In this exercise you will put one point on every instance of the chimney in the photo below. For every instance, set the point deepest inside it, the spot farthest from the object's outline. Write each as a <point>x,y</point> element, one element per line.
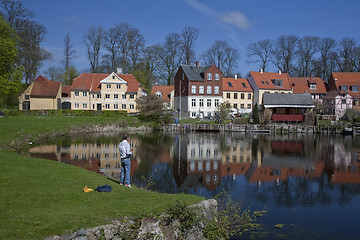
<point>119,70</point>
<point>261,70</point>
<point>235,76</point>
<point>197,63</point>
<point>279,71</point>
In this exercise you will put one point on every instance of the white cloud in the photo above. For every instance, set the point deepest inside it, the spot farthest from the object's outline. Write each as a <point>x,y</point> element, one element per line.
<point>236,18</point>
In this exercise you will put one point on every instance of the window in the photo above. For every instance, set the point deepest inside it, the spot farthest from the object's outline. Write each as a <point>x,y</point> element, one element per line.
<point>193,114</point>
<point>235,105</point>
<point>216,102</point>
<point>116,96</point>
<point>193,89</point>
<point>242,106</point>
<point>116,106</point>
<point>98,95</point>
<point>230,84</point>
<point>208,103</point>
<point>249,106</point>
<point>343,101</point>
<point>107,95</point>
<point>312,85</point>
<point>242,96</point>
<point>249,95</point>
<point>208,89</point>
<point>113,77</point>
<point>216,90</point>
<point>93,106</point>
<point>355,88</point>
<point>84,105</point>
<point>76,94</point>
<point>132,106</point>
<point>124,96</point>
<point>201,102</point>
<point>118,86</point>
<point>27,97</point>
<point>244,85</point>
<point>108,85</point>
<point>235,95</point>
<point>132,96</point>
<point>77,105</point>
<point>345,88</point>
<point>107,106</point>
<point>276,82</point>
<point>193,102</point>
<point>217,76</point>
<point>209,76</point>
<point>123,106</point>
<point>93,95</point>
<point>201,89</point>
<point>228,105</point>
<point>228,95</point>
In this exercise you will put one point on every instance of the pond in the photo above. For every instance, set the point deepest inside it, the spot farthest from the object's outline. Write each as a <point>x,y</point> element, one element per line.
<point>309,183</point>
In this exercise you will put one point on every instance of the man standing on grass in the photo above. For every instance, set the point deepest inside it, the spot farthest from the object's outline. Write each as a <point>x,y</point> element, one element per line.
<point>125,154</point>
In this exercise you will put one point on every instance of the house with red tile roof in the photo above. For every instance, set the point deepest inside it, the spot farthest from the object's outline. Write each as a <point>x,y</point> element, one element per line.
<point>237,94</point>
<point>164,92</point>
<point>42,94</point>
<point>268,82</point>
<point>348,82</point>
<point>312,85</point>
<point>99,91</point>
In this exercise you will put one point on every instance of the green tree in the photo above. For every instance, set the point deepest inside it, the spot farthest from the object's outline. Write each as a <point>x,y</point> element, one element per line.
<point>255,114</point>
<point>222,112</point>
<point>10,74</point>
<point>152,109</point>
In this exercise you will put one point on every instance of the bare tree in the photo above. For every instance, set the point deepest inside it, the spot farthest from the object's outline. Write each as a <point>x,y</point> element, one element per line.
<point>171,55</point>
<point>94,42</point>
<point>283,53</point>
<point>216,54</point>
<point>261,51</point>
<point>69,55</point>
<point>347,51</point>
<point>232,57</point>
<point>308,46</point>
<point>111,41</point>
<point>326,47</point>
<point>152,62</point>
<point>189,36</point>
<point>54,73</point>
<point>15,14</point>
<point>137,43</point>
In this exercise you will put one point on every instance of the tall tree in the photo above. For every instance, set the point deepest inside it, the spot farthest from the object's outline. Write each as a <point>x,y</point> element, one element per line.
<point>308,46</point>
<point>232,57</point>
<point>326,47</point>
<point>10,74</point>
<point>261,52</point>
<point>69,55</point>
<point>31,54</point>
<point>171,56</point>
<point>283,53</point>
<point>152,63</point>
<point>189,35</point>
<point>54,73</point>
<point>111,41</point>
<point>137,43</point>
<point>94,42</point>
<point>347,51</point>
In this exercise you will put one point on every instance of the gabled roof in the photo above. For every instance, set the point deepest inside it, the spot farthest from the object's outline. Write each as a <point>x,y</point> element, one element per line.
<point>265,80</point>
<point>287,100</point>
<point>333,94</point>
<point>347,79</point>
<point>236,85</point>
<point>165,90</point>
<point>195,73</point>
<point>302,85</point>
<point>91,82</point>
<point>43,87</point>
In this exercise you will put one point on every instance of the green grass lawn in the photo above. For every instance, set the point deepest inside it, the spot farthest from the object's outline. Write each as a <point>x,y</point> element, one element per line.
<point>40,198</point>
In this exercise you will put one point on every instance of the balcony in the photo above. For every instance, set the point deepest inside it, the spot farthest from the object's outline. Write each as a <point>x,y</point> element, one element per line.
<point>287,118</point>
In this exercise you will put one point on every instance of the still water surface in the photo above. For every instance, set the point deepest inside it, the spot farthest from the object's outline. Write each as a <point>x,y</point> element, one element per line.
<point>311,184</point>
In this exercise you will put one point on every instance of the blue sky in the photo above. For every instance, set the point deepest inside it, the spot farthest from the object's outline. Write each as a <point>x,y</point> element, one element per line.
<point>239,22</point>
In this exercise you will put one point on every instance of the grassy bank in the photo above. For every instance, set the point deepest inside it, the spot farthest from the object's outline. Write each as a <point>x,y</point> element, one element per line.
<point>39,198</point>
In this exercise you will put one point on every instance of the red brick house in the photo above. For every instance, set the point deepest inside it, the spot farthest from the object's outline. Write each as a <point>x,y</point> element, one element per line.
<point>198,90</point>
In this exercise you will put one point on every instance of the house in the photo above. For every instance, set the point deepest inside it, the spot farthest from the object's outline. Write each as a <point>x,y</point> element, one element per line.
<point>348,82</point>
<point>336,103</point>
<point>99,91</point>
<point>42,94</point>
<point>166,93</point>
<point>198,90</point>
<point>238,94</point>
<point>268,82</point>
<point>313,85</point>
<point>288,107</point>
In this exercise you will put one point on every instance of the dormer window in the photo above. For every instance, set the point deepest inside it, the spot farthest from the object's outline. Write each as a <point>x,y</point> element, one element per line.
<point>209,76</point>
<point>244,85</point>
<point>354,88</point>
<point>230,85</point>
<point>312,85</point>
<point>276,82</point>
<point>345,88</point>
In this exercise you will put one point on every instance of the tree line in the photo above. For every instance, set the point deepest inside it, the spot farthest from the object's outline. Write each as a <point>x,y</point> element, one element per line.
<point>306,56</point>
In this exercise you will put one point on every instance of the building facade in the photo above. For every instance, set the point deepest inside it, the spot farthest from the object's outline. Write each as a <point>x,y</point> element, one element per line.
<point>198,90</point>
<point>312,85</point>
<point>238,94</point>
<point>336,103</point>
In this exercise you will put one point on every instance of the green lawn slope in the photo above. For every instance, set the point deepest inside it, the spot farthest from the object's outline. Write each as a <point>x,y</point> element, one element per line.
<point>40,198</point>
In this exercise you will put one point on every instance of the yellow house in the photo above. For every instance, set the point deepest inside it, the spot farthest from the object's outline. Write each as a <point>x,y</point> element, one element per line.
<point>42,94</point>
<point>98,91</point>
<point>238,94</point>
<point>268,82</point>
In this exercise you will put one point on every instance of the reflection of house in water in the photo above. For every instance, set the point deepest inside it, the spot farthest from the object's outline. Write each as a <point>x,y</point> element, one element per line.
<point>97,157</point>
<point>197,161</point>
